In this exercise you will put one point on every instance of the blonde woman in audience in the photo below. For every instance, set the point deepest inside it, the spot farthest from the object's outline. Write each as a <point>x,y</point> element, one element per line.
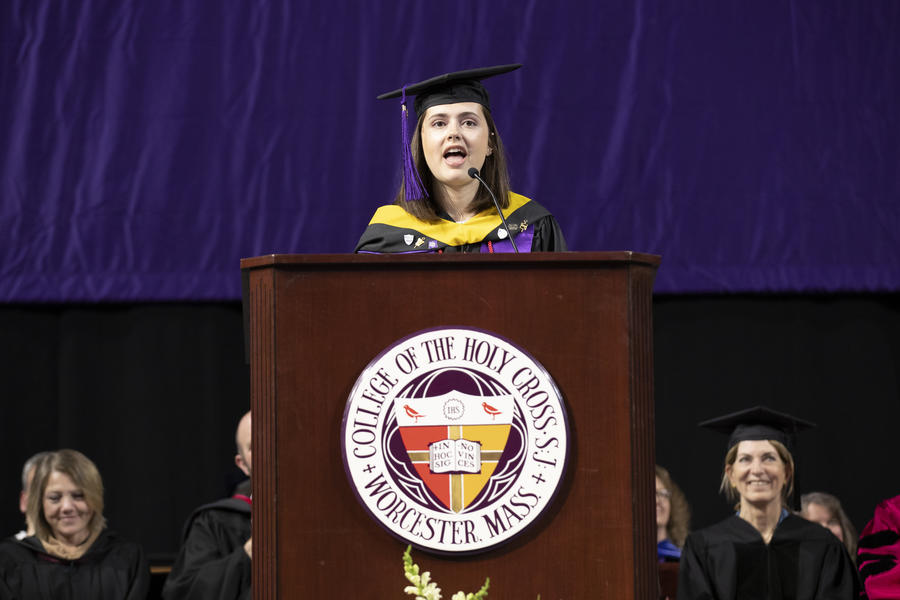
<point>673,516</point>
<point>763,550</point>
<point>72,555</point>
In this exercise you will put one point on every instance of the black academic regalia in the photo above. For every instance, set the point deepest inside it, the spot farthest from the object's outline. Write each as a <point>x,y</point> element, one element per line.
<point>212,564</point>
<point>730,561</point>
<point>111,569</point>
<point>392,230</point>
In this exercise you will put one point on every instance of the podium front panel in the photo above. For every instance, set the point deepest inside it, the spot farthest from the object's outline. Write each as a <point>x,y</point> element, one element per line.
<point>317,321</point>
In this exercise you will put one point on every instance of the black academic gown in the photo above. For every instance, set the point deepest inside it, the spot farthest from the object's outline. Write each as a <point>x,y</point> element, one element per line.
<point>392,230</point>
<point>111,569</point>
<point>730,561</point>
<point>212,564</point>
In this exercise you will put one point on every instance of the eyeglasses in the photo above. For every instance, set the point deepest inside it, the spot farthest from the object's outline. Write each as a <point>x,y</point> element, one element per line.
<point>663,494</point>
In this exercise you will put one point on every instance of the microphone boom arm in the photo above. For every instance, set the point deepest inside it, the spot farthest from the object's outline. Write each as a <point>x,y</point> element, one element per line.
<point>473,173</point>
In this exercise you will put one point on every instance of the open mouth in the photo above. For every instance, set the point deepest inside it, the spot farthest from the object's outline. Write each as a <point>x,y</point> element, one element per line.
<point>455,155</point>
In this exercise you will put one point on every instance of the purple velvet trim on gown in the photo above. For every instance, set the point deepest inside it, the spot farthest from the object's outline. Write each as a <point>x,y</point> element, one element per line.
<point>523,243</point>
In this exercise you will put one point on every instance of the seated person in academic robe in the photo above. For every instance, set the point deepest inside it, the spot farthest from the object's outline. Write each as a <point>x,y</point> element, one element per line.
<point>453,171</point>
<point>763,551</point>
<point>72,555</point>
<point>673,517</point>
<point>879,552</point>
<point>27,477</point>
<point>215,557</point>
<point>826,510</point>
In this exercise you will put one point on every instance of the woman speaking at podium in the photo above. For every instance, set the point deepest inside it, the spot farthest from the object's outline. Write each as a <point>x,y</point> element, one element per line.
<point>455,177</point>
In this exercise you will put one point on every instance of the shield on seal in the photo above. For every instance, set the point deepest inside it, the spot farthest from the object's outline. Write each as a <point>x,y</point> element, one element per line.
<point>455,441</point>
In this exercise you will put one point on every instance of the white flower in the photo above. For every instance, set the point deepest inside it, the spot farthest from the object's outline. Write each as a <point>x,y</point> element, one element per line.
<point>424,589</point>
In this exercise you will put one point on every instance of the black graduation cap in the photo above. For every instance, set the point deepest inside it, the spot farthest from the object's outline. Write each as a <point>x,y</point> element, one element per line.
<point>450,88</point>
<point>758,423</point>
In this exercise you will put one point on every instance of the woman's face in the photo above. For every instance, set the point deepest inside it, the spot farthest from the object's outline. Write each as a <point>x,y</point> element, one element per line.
<point>663,504</point>
<point>758,473</point>
<point>824,517</point>
<point>454,139</point>
<point>66,509</point>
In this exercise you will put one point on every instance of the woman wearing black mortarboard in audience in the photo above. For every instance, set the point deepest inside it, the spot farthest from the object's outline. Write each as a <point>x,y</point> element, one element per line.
<point>763,551</point>
<point>441,206</point>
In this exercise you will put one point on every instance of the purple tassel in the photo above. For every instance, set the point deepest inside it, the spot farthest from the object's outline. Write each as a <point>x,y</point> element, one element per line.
<point>412,185</point>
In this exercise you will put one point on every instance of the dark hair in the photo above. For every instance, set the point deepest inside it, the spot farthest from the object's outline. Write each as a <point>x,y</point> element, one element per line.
<point>832,505</point>
<point>494,172</point>
<point>28,466</point>
<point>679,512</point>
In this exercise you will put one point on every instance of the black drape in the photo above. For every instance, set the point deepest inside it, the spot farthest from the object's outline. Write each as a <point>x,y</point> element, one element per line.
<point>833,360</point>
<point>152,393</point>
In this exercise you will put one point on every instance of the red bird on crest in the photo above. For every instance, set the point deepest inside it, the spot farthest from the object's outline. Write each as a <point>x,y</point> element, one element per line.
<point>412,412</point>
<point>490,410</point>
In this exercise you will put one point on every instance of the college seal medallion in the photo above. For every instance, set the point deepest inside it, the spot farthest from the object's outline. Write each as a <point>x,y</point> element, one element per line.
<point>455,440</point>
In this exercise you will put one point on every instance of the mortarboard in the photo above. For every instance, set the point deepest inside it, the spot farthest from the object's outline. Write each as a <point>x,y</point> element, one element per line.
<point>758,423</point>
<point>450,88</point>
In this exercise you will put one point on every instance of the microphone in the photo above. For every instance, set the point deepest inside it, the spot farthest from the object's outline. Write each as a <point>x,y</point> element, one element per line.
<point>473,173</point>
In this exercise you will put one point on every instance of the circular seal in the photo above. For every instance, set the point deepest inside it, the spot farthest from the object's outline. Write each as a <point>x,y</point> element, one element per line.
<point>455,440</point>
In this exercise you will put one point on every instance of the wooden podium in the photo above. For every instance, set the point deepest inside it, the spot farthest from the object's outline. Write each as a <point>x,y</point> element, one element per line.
<point>316,321</point>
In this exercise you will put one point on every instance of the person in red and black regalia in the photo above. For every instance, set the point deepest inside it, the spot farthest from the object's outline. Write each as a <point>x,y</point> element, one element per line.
<point>879,552</point>
<point>441,205</point>
<point>215,557</point>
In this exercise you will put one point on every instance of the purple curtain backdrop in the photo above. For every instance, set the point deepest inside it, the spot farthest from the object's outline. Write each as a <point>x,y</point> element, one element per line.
<point>148,146</point>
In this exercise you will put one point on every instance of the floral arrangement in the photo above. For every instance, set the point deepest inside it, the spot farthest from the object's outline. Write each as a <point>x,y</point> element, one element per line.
<point>424,589</point>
